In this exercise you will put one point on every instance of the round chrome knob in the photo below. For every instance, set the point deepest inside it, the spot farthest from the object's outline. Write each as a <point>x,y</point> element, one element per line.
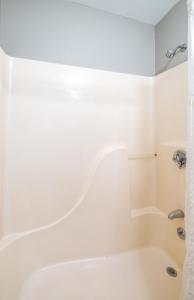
<point>179,157</point>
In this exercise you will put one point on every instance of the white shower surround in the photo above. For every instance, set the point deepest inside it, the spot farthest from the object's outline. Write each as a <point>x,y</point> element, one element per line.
<point>61,121</point>
<point>68,134</point>
<point>76,127</point>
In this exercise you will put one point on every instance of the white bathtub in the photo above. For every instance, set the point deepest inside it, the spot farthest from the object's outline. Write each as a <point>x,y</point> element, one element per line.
<point>138,273</point>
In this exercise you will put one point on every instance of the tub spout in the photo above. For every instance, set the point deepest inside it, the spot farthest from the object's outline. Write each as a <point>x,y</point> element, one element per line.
<point>176,214</point>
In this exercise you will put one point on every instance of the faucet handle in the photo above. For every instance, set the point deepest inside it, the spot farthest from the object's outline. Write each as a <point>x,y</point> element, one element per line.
<point>176,214</point>
<point>179,157</point>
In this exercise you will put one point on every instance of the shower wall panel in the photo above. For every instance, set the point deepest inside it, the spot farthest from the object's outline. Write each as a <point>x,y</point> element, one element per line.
<point>171,135</point>
<point>59,121</point>
<point>67,180</point>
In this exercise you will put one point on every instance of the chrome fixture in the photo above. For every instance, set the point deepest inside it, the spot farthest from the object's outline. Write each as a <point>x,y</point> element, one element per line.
<point>171,272</point>
<point>179,157</point>
<point>176,214</point>
<point>172,52</point>
<point>181,233</point>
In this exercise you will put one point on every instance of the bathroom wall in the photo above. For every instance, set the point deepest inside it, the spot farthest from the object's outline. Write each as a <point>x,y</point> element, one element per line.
<point>54,31</point>
<point>170,32</point>
<point>64,32</point>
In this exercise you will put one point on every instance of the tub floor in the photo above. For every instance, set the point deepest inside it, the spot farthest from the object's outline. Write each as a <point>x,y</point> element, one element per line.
<point>134,275</point>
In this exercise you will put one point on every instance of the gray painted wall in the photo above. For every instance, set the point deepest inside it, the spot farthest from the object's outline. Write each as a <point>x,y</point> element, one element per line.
<point>169,33</point>
<point>63,32</point>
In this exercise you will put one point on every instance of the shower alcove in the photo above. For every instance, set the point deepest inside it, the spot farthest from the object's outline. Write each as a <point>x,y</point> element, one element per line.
<point>85,198</point>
